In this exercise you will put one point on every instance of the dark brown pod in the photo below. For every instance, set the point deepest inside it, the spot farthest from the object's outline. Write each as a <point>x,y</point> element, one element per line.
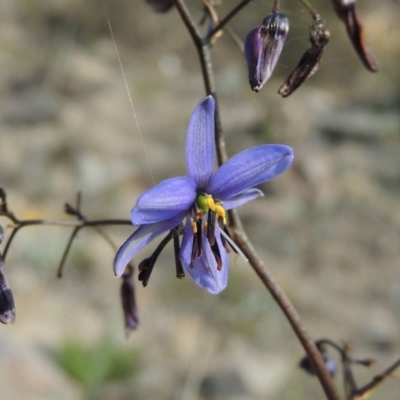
<point>310,61</point>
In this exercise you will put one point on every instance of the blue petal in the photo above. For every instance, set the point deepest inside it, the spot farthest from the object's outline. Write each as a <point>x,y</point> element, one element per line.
<point>140,239</point>
<point>204,271</point>
<point>249,168</point>
<point>200,149</point>
<point>164,201</point>
<point>248,195</point>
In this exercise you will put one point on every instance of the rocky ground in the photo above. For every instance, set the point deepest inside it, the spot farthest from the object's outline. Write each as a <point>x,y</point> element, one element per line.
<point>328,229</point>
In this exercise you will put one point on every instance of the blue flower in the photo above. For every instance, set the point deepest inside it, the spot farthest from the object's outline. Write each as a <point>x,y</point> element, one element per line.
<point>195,205</point>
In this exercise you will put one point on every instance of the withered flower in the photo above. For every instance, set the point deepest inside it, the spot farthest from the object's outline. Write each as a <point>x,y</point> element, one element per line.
<point>128,298</point>
<point>311,59</point>
<point>346,11</point>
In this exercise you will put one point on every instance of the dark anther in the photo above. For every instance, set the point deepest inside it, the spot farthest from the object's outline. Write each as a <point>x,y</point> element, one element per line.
<point>309,63</point>
<point>178,262</point>
<point>128,300</point>
<point>217,255</point>
<point>146,266</point>
<point>211,217</point>
<point>194,249</point>
<point>199,237</point>
<point>145,270</point>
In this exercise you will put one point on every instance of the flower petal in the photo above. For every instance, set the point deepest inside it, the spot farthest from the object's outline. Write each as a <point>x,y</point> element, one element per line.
<point>249,168</point>
<point>141,238</point>
<point>204,271</point>
<point>164,201</point>
<point>248,195</point>
<point>200,149</point>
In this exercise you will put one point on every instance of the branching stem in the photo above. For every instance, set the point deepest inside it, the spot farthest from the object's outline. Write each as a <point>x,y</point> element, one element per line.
<point>203,49</point>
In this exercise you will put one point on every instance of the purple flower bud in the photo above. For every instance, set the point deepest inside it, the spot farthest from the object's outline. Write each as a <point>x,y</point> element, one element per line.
<point>330,365</point>
<point>160,6</point>
<point>262,48</point>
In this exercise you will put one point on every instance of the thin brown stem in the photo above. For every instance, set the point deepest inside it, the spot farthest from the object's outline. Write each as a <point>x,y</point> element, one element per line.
<point>276,7</point>
<point>225,20</point>
<point>310,9</point>
<point>291,314</point>
<point>362,392</point>
<point>203,50</point>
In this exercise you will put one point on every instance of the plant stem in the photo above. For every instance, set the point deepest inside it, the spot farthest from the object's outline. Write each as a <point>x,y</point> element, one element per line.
<point>290,312</point>
<point>225,20</point>
<point>203,49</point>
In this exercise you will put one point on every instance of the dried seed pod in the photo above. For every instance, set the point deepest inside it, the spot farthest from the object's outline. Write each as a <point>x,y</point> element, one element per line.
<point>128,298</point>
<point>262,48</point>
<point>346,11</point>
<point>310,61</point>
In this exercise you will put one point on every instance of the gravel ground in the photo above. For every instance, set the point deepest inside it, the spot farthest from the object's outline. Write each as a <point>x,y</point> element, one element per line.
<point>328,228</point>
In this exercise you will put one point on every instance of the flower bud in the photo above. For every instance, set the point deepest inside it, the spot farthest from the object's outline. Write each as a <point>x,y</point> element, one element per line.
<point>262,48</point>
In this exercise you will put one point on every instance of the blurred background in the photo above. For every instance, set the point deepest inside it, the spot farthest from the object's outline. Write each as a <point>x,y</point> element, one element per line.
<point>328,228</point>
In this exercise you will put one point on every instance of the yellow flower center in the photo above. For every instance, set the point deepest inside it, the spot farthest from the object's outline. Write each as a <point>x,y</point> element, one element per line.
<point>206,203</point>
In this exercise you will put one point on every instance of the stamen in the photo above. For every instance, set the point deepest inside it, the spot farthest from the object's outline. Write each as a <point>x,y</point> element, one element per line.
<point>194,250</point>
<point>146,266</point>
<point>232,243</point>
<point>217,255</point>
<point>199,235</point>
<point>224,242</point>
<point>145,270</point>
<point>220,210</point>
<point>210,203</point>
<point>211,217</point>
<point>180,273</point>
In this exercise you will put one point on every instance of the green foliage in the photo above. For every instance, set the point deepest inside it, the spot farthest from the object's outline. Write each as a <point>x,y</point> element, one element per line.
<point>100,363</point>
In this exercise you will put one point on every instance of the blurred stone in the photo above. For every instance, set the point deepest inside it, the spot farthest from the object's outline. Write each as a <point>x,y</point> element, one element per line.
<point>30,105</point>
<point>359,124</point>
<point>223,385</point>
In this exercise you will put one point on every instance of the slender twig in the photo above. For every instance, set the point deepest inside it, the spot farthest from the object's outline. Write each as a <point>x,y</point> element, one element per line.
<point>276,7</point>
<point>8,244</point>
<point>66,251</point>
<point>362,392</point>
<point>225,20</point>
<point>241,239</point>
<point>310,9</point>
<point>203,50</point>
<point>291,314</point>
<point>79,224</point>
